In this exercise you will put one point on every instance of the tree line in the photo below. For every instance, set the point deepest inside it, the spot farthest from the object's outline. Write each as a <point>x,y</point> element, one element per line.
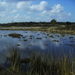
<point>53,22</point>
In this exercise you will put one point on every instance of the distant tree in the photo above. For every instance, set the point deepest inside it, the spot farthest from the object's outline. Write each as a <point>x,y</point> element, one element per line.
<point>68,23</point>
<point>53,21</point>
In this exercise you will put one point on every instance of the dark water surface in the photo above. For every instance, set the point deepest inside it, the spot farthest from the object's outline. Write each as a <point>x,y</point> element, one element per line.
<point>37,41</point>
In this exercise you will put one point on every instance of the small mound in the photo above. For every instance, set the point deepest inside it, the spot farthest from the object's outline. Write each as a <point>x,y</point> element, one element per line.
<point>15,35</point>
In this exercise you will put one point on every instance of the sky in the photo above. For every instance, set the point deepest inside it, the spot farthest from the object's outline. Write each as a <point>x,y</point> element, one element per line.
<point>37,10</point>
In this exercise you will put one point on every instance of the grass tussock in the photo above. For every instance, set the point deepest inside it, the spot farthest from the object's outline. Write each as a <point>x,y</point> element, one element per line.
<point>15,35</point>
<point>47,66</point>
<point>15,59</point>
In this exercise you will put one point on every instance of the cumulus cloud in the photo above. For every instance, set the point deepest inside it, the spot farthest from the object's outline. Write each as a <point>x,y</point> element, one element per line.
<point>57,8</point>
<point>3,6</point>
<point>56,12</point>
<point>42,6</point>
<point>25,5</point>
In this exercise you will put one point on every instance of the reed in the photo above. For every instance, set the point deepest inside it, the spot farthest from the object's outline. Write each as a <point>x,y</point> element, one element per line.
<point>15,59</point>
<point>40,64</point>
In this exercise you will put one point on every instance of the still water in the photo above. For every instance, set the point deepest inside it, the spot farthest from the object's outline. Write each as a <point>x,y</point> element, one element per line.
<point>38,41</point>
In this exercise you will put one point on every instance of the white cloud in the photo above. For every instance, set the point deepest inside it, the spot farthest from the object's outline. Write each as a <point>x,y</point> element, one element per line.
<point>17,16</point>
<point>23,10</point>
<point>14,11</point>
<point>26,5</point>
<point>57,8</point>
<point>56,12</point>
<point>38,18</point>
<point>3,6</point>
<point>29,12</point>
<point>20,18</point>
<point>23,5</point>
<point>42,6</point>
<point>2,15</point>
<point>69,14</point>
<point>27,17</point>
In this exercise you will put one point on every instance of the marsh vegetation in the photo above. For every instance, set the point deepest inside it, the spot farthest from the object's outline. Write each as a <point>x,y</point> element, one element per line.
<point>15,35</point>
<point>38,64</point>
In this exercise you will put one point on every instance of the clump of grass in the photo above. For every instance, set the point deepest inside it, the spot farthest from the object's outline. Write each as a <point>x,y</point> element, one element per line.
<point>69,44</point>
<point>71,41</point>
<point>18,44</point>
<point>70,37</point>
<point>51,36</point>
<point>15,35</point>
<point>15,59</point>
<point>38,65</point>
<point>49,66</point>
<point>39,38</point>
<point>30,38</point>
<point>25,40</point>
<point>55,40</point>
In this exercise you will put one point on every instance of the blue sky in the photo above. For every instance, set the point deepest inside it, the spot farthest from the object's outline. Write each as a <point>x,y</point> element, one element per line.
<point>36,10</point>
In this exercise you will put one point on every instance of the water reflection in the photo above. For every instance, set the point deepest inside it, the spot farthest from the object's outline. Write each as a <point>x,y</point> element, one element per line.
<point>36,41</point>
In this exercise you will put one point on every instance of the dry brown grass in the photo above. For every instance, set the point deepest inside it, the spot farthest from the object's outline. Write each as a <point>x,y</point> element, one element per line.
<point>54,29</point>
